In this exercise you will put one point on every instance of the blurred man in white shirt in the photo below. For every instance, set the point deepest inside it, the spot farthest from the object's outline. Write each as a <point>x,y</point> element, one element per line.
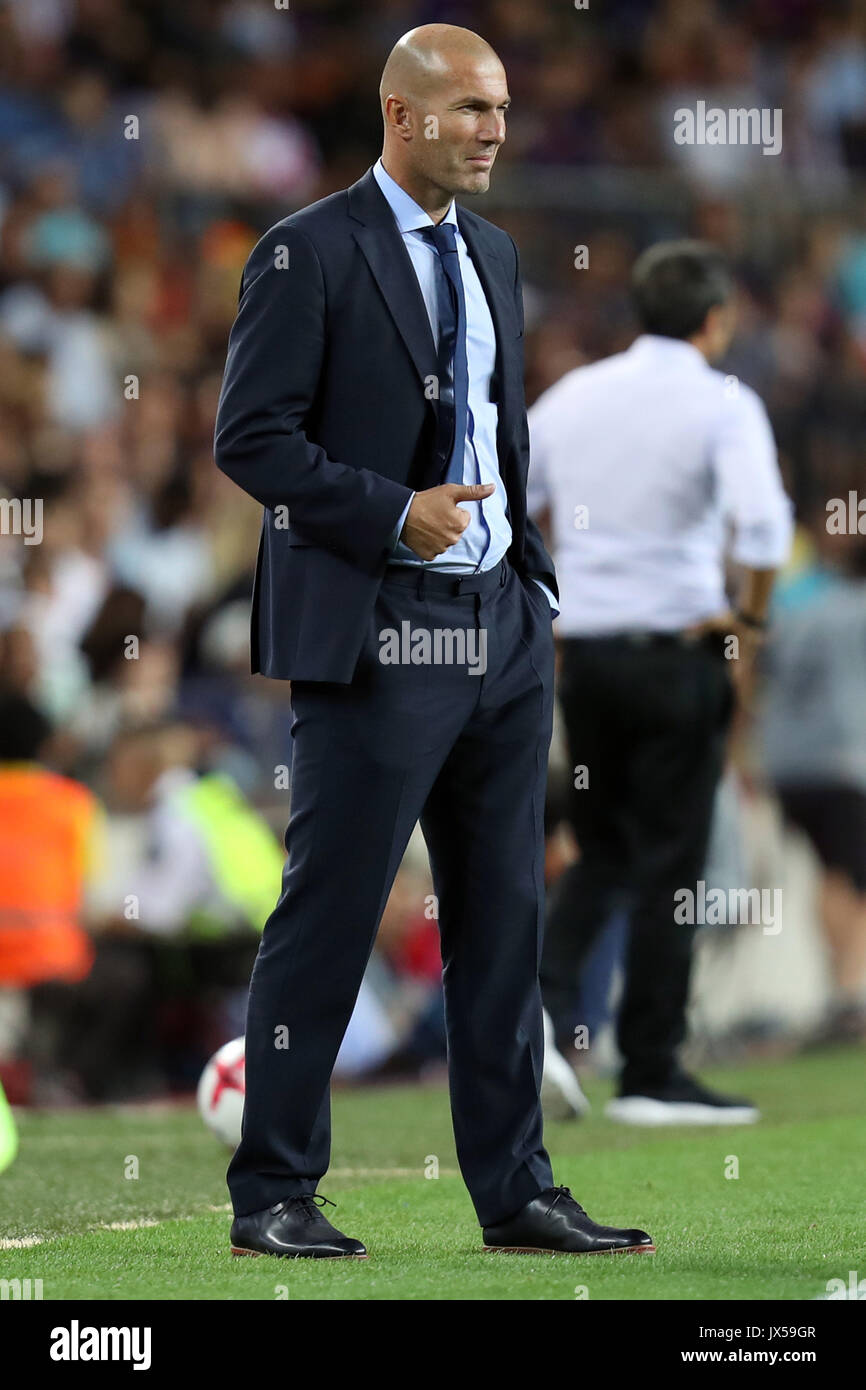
<point>652,468</point>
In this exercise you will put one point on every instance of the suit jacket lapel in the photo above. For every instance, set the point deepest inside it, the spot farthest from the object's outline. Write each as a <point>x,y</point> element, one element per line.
<point>499,299</point>
<point>377,235</point>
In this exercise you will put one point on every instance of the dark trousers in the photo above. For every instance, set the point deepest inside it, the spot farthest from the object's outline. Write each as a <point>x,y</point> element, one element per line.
<point>467,755</point>
<point>648,722</point>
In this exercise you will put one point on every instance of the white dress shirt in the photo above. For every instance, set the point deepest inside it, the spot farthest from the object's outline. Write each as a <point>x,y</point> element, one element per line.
<point>646,462</point>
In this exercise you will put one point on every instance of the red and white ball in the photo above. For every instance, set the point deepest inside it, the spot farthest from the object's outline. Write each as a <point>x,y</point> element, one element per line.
<point>221,1092</point>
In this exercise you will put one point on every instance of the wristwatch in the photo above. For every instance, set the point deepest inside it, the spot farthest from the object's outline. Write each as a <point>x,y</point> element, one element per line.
<point>759,624</point>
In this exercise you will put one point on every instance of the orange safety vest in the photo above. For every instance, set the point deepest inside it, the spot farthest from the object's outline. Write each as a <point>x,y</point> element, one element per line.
<point>46,825</point>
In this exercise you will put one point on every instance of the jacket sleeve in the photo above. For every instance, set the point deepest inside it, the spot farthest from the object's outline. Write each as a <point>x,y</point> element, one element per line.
<point>275,355</point>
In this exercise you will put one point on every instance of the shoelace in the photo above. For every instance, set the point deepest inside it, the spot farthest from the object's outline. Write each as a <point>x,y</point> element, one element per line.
<point>309,1202</point>
<point>566,1193</point>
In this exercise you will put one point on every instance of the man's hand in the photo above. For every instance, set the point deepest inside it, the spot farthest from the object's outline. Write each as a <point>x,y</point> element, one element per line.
<point>434,521</point>
<point>748,642</point>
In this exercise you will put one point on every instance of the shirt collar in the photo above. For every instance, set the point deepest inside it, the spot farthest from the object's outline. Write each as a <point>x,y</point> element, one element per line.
<point>658,345</point>
<point>410,217</point>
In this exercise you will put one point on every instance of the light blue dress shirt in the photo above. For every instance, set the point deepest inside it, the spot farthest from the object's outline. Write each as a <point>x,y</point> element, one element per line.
<point>480,547</point>
<point>475,550</point>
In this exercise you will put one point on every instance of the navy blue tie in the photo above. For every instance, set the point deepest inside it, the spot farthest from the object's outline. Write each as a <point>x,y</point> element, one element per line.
<point>453,415</point>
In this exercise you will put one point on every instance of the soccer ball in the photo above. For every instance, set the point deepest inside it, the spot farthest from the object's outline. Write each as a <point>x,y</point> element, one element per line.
<point>221,1092</point>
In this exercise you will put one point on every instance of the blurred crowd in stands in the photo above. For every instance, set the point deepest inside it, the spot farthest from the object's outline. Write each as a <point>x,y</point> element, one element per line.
<point>144,147</point>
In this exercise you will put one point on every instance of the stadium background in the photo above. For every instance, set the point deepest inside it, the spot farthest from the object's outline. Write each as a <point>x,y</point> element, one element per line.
<point>120,260</point>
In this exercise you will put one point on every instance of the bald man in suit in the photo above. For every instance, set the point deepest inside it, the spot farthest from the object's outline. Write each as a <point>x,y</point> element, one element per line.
<point>373,404</point>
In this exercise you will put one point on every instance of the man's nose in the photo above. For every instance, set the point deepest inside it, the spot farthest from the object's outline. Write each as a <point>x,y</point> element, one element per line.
<point>493,131</point>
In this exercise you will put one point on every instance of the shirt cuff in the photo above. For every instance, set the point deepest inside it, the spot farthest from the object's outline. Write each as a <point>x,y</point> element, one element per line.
<point>763,545</point>
<point>550,599</point>
<point>395,534</point>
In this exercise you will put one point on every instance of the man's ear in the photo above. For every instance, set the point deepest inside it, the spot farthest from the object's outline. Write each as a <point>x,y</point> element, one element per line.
<point>724,319</point>
<point>715,323</point>
<point>716,331</point>
<point>399,115</point>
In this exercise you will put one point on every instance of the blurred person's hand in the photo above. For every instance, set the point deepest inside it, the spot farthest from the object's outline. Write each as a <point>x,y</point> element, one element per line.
<point>739,642</point>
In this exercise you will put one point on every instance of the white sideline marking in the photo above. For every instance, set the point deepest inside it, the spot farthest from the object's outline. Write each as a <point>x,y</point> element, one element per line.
<point>26,1242</point>
<point>135,1225</point>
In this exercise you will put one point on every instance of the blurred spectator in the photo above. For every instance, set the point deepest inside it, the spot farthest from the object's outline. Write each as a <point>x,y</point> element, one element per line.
<point>48,844</point>
<point>814,751</point>
<point>49,847</point>
<point>207,865</point>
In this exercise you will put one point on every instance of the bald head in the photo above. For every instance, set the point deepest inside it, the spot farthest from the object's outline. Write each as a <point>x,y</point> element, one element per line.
<point>426,57</point>
<point>443,96</point>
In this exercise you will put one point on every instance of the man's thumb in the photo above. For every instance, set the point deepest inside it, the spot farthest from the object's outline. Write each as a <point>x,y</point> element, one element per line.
<point>471,492</point>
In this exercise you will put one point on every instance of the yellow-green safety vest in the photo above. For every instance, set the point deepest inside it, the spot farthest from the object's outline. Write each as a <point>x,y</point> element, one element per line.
<point>245,857</point>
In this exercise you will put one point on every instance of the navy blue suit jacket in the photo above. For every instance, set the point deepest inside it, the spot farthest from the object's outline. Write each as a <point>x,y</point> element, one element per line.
<point>324,418</point>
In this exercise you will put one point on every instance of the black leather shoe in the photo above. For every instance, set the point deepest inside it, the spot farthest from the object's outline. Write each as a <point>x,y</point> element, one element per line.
<point>553,1221</point>
<point>293,1229</point>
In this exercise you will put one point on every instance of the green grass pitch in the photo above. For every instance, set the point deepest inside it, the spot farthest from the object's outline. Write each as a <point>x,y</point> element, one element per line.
<point>791,1220</point>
